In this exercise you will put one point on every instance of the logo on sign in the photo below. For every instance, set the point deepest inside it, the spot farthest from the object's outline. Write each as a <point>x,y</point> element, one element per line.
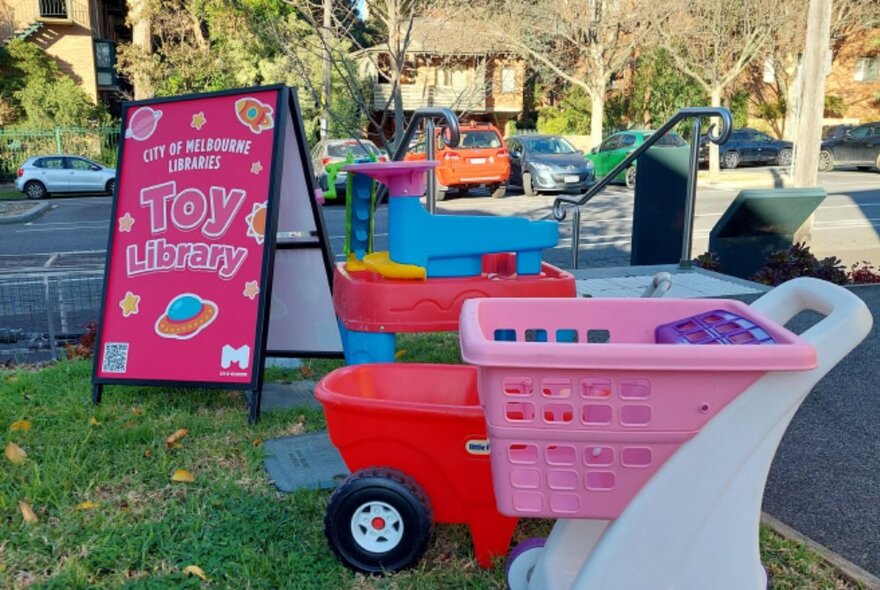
<point>477,446</point>
<point>240,356</point>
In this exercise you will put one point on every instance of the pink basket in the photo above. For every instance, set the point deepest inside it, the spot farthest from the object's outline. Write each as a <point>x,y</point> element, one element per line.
<point>583,407</point>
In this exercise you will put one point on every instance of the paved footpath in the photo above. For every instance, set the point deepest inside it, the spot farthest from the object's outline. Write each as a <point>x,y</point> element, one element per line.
<point>825,480</point>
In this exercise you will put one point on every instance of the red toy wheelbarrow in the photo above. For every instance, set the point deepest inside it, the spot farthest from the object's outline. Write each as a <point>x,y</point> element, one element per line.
<point>414,438</point>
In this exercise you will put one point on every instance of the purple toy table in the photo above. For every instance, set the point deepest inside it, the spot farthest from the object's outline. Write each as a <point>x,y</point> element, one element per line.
<point>403,179</point>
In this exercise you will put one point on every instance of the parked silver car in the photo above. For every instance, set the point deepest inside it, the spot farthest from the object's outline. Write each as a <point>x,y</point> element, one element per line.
<point>332,151</point>
<point>42,175</point>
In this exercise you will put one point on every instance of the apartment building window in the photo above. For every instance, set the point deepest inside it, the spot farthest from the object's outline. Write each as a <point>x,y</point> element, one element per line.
<point>444,77</point>
<point>508,79</point>
<point>105,63</point>
<point>867,69</point>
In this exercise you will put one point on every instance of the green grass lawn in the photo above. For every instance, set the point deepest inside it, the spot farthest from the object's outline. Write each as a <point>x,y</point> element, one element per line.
<point>11,195</point>
<point>142,530</point>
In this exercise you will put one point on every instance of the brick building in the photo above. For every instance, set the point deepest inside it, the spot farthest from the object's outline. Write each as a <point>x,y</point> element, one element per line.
<point>81,35</point>
<point>468,73</point>
<point>855,77</point>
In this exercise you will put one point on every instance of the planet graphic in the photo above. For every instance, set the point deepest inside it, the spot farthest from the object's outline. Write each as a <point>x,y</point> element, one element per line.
<point>254,114</point>
<point>186,315</point>
<point>142,123</point>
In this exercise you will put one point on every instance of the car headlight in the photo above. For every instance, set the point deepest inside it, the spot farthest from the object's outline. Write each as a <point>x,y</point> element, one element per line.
<point>588,166</point>
<point>541,167</point>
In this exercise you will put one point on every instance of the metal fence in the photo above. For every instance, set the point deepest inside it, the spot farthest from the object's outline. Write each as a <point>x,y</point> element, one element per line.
<point>17,145</point>
<point>40,312</point>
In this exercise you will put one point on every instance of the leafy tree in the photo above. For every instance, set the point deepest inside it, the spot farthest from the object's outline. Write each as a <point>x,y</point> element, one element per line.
<point>713,41</point>
<point>571,115</point>
<point>34,92</point>
<point>201,45</point>
<point>587,44</point>
<point>659,91</point>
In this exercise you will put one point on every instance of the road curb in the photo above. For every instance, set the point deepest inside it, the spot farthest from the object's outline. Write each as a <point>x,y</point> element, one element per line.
<point>34,212</point>
<point>849,570</point>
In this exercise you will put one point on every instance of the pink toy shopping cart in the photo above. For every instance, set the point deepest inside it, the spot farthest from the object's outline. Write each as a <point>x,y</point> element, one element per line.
<point>652,450</point>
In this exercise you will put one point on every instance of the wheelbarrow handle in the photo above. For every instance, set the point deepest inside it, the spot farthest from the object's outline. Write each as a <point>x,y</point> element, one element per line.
<point>847,319</point>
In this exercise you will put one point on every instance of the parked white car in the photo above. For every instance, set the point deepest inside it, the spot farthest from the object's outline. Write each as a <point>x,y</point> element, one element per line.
<point>42,175</point>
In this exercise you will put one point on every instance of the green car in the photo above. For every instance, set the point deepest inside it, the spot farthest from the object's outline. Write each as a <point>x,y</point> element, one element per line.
<point>615,148</point>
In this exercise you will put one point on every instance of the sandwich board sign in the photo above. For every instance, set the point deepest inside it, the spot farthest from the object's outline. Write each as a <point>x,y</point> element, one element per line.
<point>188,277</point>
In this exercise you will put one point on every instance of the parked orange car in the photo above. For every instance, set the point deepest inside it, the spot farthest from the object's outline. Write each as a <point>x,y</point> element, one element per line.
<point>480,159</point>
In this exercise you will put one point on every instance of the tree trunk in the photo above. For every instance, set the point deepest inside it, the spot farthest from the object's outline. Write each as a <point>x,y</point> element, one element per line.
<point>597,116</point>
<point>142,38</point>
<point>714,160</point>
<point>326,80</point>
<point>792,96</point>
<point>812,101</point>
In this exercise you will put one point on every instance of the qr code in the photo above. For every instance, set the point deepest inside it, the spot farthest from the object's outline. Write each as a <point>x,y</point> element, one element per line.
<point>115,357</point>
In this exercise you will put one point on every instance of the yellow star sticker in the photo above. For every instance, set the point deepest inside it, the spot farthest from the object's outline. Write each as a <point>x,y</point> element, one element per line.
<point>129,305</point>
<point>125,222</point>
<point>251,289</point>
<point>198,121</point>
<point>256,168</point>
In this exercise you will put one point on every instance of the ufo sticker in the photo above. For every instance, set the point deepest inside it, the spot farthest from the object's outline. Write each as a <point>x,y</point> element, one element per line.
<point>255,115</point>
<point>143,123</point>
<point>186,315</point>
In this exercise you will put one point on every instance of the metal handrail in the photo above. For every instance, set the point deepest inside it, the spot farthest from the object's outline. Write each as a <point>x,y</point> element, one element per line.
<point>429,114</point>
<point>563,203</point>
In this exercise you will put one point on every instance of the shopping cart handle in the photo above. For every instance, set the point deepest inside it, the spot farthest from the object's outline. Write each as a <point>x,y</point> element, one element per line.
<point>847,319</point>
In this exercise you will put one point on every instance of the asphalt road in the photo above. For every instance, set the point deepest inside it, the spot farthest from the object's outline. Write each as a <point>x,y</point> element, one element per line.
<point>846,224</point>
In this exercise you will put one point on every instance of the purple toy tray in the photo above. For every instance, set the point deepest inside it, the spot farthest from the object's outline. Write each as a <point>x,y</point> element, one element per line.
<point>713,327</point>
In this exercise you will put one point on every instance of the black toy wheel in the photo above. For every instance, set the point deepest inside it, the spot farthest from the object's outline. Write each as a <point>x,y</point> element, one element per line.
<point>378,520</point>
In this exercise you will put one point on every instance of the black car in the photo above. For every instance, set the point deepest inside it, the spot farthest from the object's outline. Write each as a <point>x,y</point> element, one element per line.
<point>547,163</point>
<point>859,147</point>
<point>836,131</point>
<point>749,146</point>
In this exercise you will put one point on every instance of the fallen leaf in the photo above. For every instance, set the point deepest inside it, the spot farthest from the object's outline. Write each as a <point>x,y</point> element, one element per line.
<point>175,437</point>
<point>86,506</point>
<point>301,418</point>
<point>94,422</point>
<point>176,445</point>
<point>21,425</point>
<point>257,442</point>
<point>148,453</point>
<point>195,570</point>
<point>400,354</point>
<point>12,379</point>
<point>27,512</point>
<point>297,428</point>
<point>15,453</point>
<point>306,372</point>
<point>137,411</point>
<point>183,476</point>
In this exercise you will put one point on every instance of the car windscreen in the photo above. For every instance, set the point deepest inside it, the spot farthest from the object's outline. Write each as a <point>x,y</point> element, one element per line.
<point>479,140</point>
<point>341,150</point>
<point>671,140</point>
<point>548,145</point>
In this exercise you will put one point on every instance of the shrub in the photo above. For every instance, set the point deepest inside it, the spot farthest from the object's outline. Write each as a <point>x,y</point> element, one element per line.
<point>708,261</point>
<point>798,261</point>
<point>863,272</point>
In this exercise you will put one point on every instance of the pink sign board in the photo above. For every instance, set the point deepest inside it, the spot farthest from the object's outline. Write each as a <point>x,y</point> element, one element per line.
<point>192,234</point>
